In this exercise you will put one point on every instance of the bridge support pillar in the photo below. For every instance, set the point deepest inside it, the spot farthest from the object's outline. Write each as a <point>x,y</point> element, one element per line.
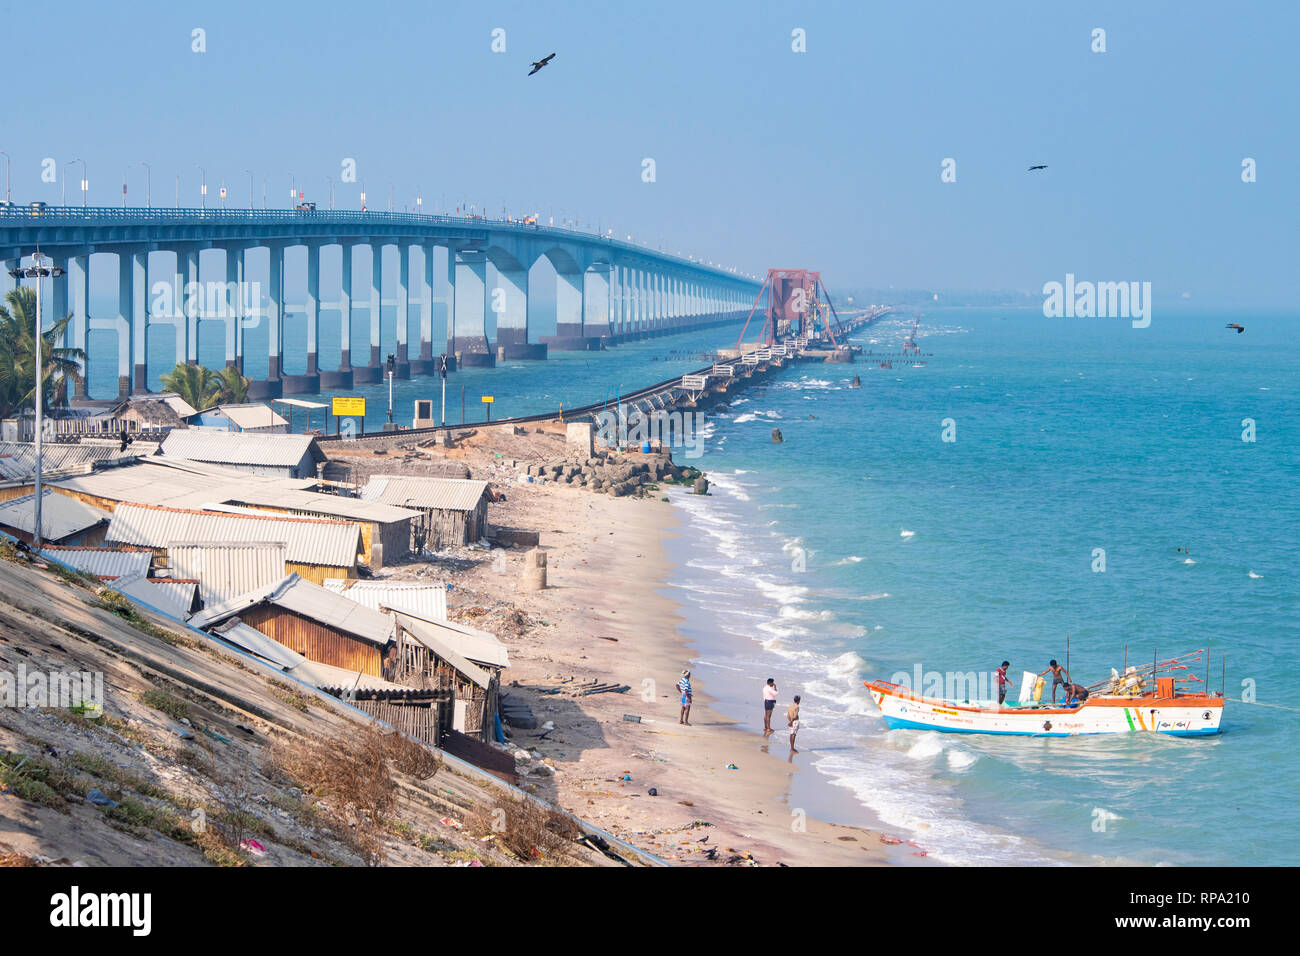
<point>568,307</point>
<point>308,383</point>
<point>191,297</point>
<point>126,327</point>
<point>403,309</point>
<point>139,304</point>
<point>345,310</point>
<point>423,365</point>
<point>467,339</point>
<point>510,302</point>
<point>372,372</point>
<point>595,304</point>
<point>234,307</point>
<point>313,307</point>
<point>79,280</point>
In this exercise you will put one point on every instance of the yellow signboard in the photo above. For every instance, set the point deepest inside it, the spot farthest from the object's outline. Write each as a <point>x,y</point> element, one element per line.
<point>349,407</point>
<point>488,399</point>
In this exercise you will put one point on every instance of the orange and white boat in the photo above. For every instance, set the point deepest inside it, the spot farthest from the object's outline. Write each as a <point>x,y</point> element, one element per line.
<point>1138,701</point>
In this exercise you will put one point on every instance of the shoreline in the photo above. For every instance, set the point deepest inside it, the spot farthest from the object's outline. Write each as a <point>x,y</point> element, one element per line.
<point>608,614</point>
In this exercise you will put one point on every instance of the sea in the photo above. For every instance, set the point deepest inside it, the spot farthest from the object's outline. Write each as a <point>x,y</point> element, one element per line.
<point>1108,493</point>
<point>1024,488</point>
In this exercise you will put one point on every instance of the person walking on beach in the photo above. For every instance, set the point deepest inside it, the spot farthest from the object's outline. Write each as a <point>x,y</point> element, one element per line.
<point>1001,673</point>
<point>684,685</point>
<point>792,718</point>
<point>1057,679</point>
<point>769,704</point>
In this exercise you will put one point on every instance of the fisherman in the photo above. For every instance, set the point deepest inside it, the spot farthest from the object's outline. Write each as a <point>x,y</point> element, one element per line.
<point>1003,681</point>
<point>769,704</point>
<point>792,718</point>
<point>1075,694</point>
<point>684,685</point>
<point>1057,680</point>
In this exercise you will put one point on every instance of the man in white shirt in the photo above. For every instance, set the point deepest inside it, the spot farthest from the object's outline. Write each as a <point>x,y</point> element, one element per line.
<point>769,704</point>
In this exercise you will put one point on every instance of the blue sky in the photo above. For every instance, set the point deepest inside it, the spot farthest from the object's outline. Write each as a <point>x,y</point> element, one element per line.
<point>827,159</point>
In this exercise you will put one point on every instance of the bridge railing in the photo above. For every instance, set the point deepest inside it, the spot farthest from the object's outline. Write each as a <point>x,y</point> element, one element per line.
<point>15,215</point>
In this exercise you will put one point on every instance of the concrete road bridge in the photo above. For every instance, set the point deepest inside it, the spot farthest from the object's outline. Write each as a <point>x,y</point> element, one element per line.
<point>606,290</point>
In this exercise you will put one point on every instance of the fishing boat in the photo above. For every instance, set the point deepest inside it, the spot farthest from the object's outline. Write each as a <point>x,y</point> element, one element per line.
<point>1141,699</point>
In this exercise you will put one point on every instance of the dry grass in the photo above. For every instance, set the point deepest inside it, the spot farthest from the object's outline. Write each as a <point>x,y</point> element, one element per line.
<point>529,830</point>
<point>352,777</point>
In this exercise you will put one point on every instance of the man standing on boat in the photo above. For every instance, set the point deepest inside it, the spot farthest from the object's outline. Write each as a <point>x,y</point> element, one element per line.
<point>1001,674</point>
<point>769,704</point>
<point>1057,679</point>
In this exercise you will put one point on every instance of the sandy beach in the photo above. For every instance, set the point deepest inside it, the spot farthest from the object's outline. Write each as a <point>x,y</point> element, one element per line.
<point>607,615</point>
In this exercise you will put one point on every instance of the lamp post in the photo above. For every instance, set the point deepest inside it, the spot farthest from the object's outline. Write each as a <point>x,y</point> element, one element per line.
<point>330,180</point>
<point>293,191</point>
<point>85,183</point>
<point>124,169</point>
<point>148,184</point>
<point>392,365</point>
<point>63,186</point>
<point>38,270</point>
<point>203,188</point>
<point>8,194</point>
<point>250,190</point>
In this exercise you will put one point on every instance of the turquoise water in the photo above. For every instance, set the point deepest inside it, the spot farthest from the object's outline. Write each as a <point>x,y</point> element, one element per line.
<point>520,388</point>
<point>1071,435</point>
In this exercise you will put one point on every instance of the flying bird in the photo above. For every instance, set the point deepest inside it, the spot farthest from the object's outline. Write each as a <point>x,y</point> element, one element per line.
<point>1032,168</point>
<point>541,63</point>
<point>1234,325</point>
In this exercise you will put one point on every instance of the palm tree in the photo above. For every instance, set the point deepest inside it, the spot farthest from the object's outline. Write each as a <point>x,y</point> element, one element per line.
<point>194,383</point>
<point>18,355</point>
<point>232,387</point>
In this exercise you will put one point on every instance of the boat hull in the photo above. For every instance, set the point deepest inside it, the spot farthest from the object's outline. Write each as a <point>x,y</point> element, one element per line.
<point>1180,716</point>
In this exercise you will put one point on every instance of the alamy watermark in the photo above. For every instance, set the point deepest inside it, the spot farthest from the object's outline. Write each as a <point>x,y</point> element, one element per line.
<point>614,428</point>
<point>948,685</point>
<point>207,300</point>
<point>1103,300</point>
<point>82,691</point>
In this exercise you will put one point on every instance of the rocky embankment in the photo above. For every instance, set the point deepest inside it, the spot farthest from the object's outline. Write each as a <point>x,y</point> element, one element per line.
<point>613,475</point>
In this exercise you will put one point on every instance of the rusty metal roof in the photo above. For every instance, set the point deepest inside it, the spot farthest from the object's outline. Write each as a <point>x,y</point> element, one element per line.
<point>427,601</point>
<point>315,502</point>
<point>306,540</point>
<point>241,448</point>
<point>438,494</point>
<point>103,562</point>
<point>478,646</point>
<point>18,459</point>
<point>173,482</point>
<point>60,515</point>
<point>310,601</point>
<point>227,569</point>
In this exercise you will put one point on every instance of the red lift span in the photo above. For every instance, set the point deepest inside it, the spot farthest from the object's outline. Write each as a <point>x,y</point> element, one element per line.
<point>798,305</point>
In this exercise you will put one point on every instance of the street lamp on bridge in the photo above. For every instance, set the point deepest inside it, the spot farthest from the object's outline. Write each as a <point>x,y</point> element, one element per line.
<point>330,180</point>
<point>148,184</point>
<point>38,270</point>
<point>203,189</point>
<point>293,191</point>
<point>251,178</point>
<point>63,187</point>
<point>8,194</point>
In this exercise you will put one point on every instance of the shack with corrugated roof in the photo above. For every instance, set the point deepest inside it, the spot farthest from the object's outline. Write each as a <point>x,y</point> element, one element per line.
<point>454,509</point>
